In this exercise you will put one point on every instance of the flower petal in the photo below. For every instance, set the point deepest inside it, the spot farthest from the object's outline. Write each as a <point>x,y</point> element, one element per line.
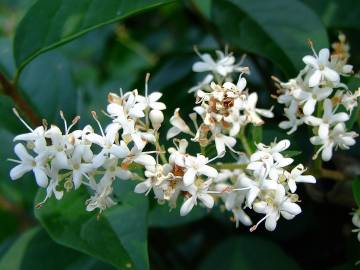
<point>315,78</point>
<point>189,176</point>
<point>40,177</point>
<point>19,170</point>
<point>206,199</point>
<point>187,206</point>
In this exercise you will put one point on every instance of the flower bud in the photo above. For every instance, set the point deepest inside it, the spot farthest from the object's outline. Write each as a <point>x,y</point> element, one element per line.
<point>156,118</point>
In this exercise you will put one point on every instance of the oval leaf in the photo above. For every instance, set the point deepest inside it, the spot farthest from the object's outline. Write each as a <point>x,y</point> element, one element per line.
<point>119,236</point>
<point>275,29</point>
<point>356,190</point>
<point>31,251</point>
<point>49,24</point>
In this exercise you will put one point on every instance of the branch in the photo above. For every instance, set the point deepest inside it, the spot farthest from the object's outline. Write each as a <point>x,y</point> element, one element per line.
<point>11,91</point>
<point>25,221</point>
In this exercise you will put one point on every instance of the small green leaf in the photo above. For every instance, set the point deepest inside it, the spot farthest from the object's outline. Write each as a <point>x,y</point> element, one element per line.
<point>291,153</point>
<point>118,237</point>
<point>331,11</point>
<point>49,86</point>
<point>34,250</point>
<point>247,253</point>
<point>49,24</point>
<point>256,136</point>
<point>274,29</point>
<point>8,118</point>
<point>356,190</point>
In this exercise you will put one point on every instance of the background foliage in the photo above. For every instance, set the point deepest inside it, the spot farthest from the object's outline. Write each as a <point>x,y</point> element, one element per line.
<point>67,55</point>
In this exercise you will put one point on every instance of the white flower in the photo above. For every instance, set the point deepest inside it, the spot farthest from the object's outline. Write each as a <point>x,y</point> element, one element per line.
<point>268,161</point>
<point>311,97</point>
<point>287,91</point>
<point>29,163</point>
<point>155,175</point>
<point>137,156</point>
<point>151,101</point>
<point>338,137</point>
<point>178,124</point>
<point>52,187</point>
<point>274,149</point>
<point>295,176</point>
<point>356,222</point>
<point>197,191</point>
<point>131,133</point>
<point>78,168</point>
<point>114,170</point>
<point>108,145</point>
<point>234,200</point>
<point>328,119</point>
<point>102,197</point>
<point>224,65</point>
<point>128,106</point>
<point>222,141</point>
<point>276,168</point>
<point>320,68</point>
<point>59,146</point>
<point>349,100</point>
<point>196,166</point>
<point>252,112</point>
<point>275,206</point>
<point>35,139</point>
<point>255,187</point>
<point>177,156</point>
<point>205,82</point>
<point>293,121</point>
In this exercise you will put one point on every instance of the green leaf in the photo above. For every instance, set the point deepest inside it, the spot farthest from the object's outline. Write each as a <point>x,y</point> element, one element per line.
<point>255,136</point>
<point>356,190</point>
<point>8,118</point>
<point>291,153</point>
<point>34,250</point>
<point>7,65</point>
<point>49,24</point>
<point>118,237</point>
<point>161,216</point>
<point>337,14</point>
<point>49,86</point>
<point>247,253</point>
<point>275,29</point>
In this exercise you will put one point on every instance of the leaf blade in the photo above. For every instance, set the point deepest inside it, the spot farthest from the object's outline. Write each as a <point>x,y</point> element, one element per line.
<point>61,21</point>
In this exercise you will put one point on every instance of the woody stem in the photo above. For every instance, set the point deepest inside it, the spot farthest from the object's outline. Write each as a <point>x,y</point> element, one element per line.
<point>10,90</point>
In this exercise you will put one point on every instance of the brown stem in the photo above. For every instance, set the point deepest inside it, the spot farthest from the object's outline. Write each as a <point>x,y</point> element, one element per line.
<point>25,221</point>
<point>11,91</point>
<point>334,175</point>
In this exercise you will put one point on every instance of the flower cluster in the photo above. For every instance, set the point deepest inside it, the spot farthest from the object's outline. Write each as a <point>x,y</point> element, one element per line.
<point>356,223</point>
<point>223,106</point>
<point>66,160</point>
<point>264,185</point>
<point>318,98</point>
<point>263,180</point>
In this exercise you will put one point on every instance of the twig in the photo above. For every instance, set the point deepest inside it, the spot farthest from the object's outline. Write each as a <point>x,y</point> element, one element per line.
<point>11,91</point>
<point>23,217</point>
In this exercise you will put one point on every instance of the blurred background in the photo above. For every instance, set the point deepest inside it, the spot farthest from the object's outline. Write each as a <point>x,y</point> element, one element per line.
<point>76,77</point>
